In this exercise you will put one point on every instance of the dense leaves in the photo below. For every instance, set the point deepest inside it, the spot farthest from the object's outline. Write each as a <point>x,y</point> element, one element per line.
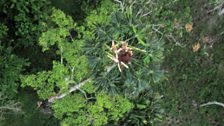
<point>120,24</point>
<point>147,110</point>
<point>96,112</point>
<point>71,68</point>
<point>10,66</point>
<point>25,19</point>
<point>101,62</point>
<point>10,69</point>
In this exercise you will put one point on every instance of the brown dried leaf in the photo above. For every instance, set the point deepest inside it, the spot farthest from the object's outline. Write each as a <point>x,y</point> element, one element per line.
<point>196,47</point>
<point>189,27</point>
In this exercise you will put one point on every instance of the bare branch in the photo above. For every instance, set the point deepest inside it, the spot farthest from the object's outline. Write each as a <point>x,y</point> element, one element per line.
<point>212,103</point>
<point>74,88</point>
<point>83,93</point>
<point>219,9</point>
<point>11,108</point>
<point>8,106</point>
<point>221,12</point>
<point>146,13</point>
<point>216,8</point>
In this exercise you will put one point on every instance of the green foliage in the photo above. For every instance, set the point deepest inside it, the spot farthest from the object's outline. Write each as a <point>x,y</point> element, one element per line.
<point>8,106</point>
<point>88,105</point>
<point>100,15</point>
<point>146,112</point>
<point>30,114</point>
<point>39,82</point>
<point>45,81</point>
<point>57,34</point>
<point>122,23</point>
<point>3,32</point>
<point>24,19</point>
<point>144,26</point>
<point>78,9</point>
<point>10,68</point>
<point>116,108</point>
<point>68,50</point>
<point>76,110</point>
<point>215,2</point>
<point>89,88</point>
<point>72,66</point>
<point>69,105</point>
<point>195,77</point>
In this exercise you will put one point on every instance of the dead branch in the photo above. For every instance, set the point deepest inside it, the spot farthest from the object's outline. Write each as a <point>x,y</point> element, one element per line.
<point>72,89</point>
<point>212,103</point>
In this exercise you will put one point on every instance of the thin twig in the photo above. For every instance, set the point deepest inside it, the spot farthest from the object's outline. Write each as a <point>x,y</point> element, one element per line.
<point>83,93</point>
<point>146,13</point>
<point>61,55</point>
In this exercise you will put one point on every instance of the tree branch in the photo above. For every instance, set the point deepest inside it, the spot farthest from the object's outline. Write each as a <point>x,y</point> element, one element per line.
<point>212,103</point>
<point>8,106</point>
<point>219,9</point>
<point>74,88</point>
<point>216,8</point>
<point>221,12</point>
<point>12,108</point>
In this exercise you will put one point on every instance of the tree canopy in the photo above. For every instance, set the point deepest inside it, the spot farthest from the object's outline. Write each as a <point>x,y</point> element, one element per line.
<point>111,62</point>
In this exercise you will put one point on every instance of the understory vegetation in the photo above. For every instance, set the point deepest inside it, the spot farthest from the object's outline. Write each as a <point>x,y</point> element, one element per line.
<point>111,62</point>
